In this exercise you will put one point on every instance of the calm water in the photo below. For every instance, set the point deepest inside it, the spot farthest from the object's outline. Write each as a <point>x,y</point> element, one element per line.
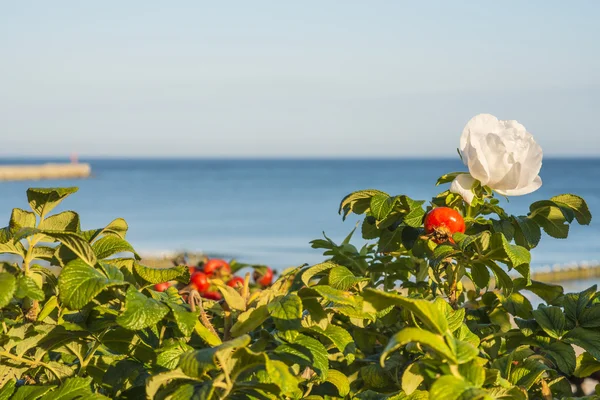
<point>266,211</point>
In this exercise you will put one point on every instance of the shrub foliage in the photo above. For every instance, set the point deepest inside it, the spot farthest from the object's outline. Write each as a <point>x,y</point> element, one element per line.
<point>401,317</point>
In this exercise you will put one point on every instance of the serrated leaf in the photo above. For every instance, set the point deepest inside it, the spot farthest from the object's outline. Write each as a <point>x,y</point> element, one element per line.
<point>76,243</point>
<point>551,320</point>
<point>31,392</point>
<point>185,319</point>
<point>518,305</point>
<point>26,287</point>
<point>340,381</point>
<point>589,339</point>
<point>577,204</point>
<point>586,365</point>
<point>553,222</point>
<point>381,205</point>
<point>156,381</point>
<point>563,356</point>
<point>480,275</point>
<point>342,278</point>
<point>79,283</point>
<point>449,387</point>
<point>111,245</point>
<point>206,335</point>
<point>528,233</point>
<point>279,373</point>
<point>358,202</point>
<point>198,362</point>
<point>141,311</point>
<point>8,286</point>
<point>64,221</point>
<point>43,200</point>
<point>249,320</point>
<point>286,312</point>
<point>160,275</point>
<point>415,335</point>
<point>309,273</point>
<point>308,352</point>
<point>426,311</point>
<point>232,297</point>
<point>21,219</point>
<point>340,338</point>
<point>590,317</point>
<point>72,388</point>
<point>412,378</point>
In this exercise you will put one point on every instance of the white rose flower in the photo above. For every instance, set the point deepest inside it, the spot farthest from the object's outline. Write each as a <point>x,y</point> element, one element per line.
<point>499,154</point>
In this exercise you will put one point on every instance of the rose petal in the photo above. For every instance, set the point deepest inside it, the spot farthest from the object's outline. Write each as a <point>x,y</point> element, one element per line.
<point>462,185</point>
<point>532,187</point>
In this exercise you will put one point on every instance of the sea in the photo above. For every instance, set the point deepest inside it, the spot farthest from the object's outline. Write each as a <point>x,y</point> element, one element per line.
<point>266,211</point>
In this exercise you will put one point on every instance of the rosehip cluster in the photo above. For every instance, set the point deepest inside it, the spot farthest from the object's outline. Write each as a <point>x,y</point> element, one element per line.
<point>218,268</point>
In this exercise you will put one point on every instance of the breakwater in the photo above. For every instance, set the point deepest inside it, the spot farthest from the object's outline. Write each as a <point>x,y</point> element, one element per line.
<point>44,171</point>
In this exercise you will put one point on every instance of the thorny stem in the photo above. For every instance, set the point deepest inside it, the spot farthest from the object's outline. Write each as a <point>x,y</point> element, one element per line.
<point>194,300</point>
<point>227,321</point>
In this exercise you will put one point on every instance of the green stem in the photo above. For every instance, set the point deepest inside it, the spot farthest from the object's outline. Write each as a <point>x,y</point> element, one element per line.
<point>30,362</point>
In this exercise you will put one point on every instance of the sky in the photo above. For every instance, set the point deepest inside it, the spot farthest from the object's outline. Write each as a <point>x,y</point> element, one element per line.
<point>293,79</point>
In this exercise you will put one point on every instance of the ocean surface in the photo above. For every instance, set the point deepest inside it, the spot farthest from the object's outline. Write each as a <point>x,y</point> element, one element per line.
<point>267,211</point>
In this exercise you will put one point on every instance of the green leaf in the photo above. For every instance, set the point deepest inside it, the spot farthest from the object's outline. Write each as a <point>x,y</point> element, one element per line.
<point>340,338</point>
<point>374,376</point>
<point>160,275</point>
<point>358,202</point>
<point>480,275</point>
<point>250,320</point>
<point>333,295</point>
<point>551,320</point>
<point>473,373</point>
<point>76,243</point>
<point>117,228</point>
<point>64,221</point>
<point>308,352</point>
<point>553,222</point>
<point>528,373</point>
<point>527,232</point>
<point>577,204</point>
<point>31,392</point>
<point>205,334</point>
<point>198,362</point>
<point>518,305</point>
<point>309,273</point>
<point>412,378</point>
<point>169,355</point>
<point>26,287</point>
<point>382,205</point>
<point>141,311</point>
<point>342,278</point>
<point>7,390</point>
<point>414,217</point>
<point>79,283</point>
<point>43,200</point>
<point>72,388</point>
<point>21,219</point>
<point>503,280</point>
<point>563,356</point>
<point>287,312</point>
<point>232,296</point>
<point>586,365</point>
<point>547,291</point>
<point>279,373</point>
<point>340,381</point>
<point>447,178</point>
<point>8,286</point>
<point>110,245</point>
<point>588,339</point>
<point>156,381</point>
<point>426,311</point>
<point>416,335</point>
<point>186,320</point>
<point>448,387</point>
<point>463,351</point>
<point>590,317</point>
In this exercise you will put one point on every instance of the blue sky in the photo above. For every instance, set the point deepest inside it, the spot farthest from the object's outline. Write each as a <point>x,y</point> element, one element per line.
<point>277,79</point>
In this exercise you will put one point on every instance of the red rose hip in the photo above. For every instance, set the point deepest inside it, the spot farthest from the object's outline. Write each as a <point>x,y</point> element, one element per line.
<point>216,267</point>
<point>236,282</point>
<point>200,282</point>
<point>212,295</point>
<point>442,223</point>
<point>263,277</point>
<point>161,287</point>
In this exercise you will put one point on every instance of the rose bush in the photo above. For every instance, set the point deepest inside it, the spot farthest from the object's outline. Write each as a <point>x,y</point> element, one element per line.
<point>411,314</point>
<point>501,155</point>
